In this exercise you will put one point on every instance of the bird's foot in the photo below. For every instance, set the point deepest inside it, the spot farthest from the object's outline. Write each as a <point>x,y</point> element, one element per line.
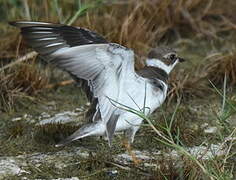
<point>131,153</point>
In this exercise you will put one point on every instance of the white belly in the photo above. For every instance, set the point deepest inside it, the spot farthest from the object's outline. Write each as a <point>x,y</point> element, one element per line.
<point>144,98</point>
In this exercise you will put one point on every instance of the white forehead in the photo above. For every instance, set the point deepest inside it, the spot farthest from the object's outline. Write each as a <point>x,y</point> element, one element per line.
<point>169,53</point>
<point>158,63</point>
<point>159,52</point>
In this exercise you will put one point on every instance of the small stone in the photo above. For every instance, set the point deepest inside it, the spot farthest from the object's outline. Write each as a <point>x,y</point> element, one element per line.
<point>80,109</point>
<point>210,130</point>
<point>25,116</point>
<point>194,127</point>
<point>112,173</point>
<point>204,125</point>
<point>9,166</point>
<point>88,104</point>
<point>16,119</point>
<point>62,118</point>
<point>45,115</point>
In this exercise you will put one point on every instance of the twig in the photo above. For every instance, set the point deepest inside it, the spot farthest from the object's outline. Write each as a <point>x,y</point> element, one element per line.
<point>206,10</point>
<point>63,83</point>
<point>185,13</point>
<point>228,22</point>
<point>119,165</point>
<point>128,168</point>
<point>21,59</point>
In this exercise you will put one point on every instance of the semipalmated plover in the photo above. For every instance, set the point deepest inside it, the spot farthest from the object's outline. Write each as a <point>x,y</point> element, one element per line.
<point>106,72</point>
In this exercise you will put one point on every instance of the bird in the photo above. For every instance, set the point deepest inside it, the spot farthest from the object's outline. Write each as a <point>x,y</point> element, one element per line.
<point>106,73</point>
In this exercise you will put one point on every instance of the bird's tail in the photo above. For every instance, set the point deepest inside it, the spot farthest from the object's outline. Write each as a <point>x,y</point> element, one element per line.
<point>95,128</point>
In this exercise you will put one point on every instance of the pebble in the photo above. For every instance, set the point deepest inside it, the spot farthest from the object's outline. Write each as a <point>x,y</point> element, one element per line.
<point>210,130</point>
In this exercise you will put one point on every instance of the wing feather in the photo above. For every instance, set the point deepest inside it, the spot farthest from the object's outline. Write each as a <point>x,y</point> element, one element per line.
<point>85,55</point>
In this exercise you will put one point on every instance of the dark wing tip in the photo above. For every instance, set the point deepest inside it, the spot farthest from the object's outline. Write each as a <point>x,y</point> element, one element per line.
<point>22,24</point>
<point>73,36</point>
<point>181,59</point>
<point>65,141</point>
<point>60,144</point>
<point>12,23</point>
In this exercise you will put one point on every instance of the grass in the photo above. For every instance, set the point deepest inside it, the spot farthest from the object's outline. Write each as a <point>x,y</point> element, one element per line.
<point>167,24</point>
<point>164,135</point>
<point>187,85</point>
<point>222,65</point>
<point>168,134</point>
<point>202,31</point>
<point>22,81</point>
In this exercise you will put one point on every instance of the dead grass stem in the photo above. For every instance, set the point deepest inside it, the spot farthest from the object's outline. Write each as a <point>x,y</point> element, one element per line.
<point>21,81</point>
<point>220,66</point>
<point>140,25</point>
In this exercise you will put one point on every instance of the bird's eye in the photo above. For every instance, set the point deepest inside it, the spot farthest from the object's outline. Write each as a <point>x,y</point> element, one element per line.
<point>172,57</point>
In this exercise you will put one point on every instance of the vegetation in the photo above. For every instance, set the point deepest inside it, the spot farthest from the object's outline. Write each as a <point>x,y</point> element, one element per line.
<point>201,91</point>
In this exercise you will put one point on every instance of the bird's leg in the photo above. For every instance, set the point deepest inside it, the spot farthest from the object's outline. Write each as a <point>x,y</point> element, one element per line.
<point>130,133</point>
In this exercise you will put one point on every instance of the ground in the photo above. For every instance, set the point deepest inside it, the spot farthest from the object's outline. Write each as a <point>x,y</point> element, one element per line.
<point>191,136</point>
<point>30,134</point>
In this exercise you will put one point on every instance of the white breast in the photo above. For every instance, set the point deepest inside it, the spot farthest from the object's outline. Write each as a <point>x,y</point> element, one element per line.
<point>139,95</point>
<point>142,94</point>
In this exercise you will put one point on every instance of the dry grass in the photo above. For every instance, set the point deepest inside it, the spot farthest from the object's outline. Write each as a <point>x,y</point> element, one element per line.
<point>183,129</point>
<point>8,92</point>
<point>141,24</point>
<point>220,66</point>
<point>8,46</point>
<point>135,24</point>
<point>20,81</point>
<point>169,169</point>
<point>144,24</point>
<point>29,79</point>
<point>187,85</point>
<point>138,25</point>
<point>52,134</point>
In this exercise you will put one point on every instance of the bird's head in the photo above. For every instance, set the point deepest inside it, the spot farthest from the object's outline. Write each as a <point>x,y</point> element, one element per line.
<point>164,58</point>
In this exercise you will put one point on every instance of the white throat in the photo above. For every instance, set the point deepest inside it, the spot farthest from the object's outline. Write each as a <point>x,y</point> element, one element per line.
<point>160,64</point>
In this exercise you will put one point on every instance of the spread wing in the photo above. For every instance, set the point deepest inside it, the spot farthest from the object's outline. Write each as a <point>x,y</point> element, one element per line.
<point>85,55</point>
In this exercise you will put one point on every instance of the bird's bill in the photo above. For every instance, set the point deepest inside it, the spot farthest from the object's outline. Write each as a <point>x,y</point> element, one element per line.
<point>181,59</point>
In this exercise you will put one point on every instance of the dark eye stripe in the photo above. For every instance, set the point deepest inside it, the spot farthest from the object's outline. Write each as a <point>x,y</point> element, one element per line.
<point>172,57</point>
